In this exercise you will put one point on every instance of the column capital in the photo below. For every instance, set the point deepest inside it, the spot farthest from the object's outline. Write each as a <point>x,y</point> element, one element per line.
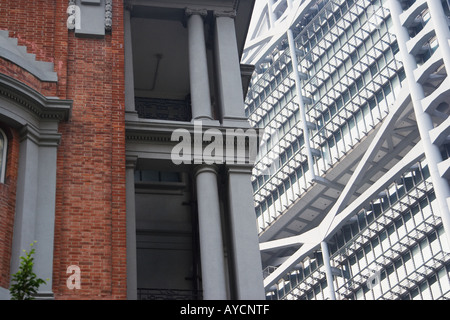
<point>130,161</point>
<point>193,11</point>
<point>127,6</point>
<point>225,13</point>
<point>41,137</point>
<point>205,168</point>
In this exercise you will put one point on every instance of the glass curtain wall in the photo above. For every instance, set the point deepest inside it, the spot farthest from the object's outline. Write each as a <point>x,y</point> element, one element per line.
<point>394,249</point>
<point>348,60</point>
<point>351,76</point>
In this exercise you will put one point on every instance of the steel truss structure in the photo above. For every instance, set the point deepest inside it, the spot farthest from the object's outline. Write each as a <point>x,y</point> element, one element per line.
<point>351,185</point>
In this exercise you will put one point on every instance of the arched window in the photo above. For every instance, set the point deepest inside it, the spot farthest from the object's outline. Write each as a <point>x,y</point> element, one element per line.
<point>3,152</point>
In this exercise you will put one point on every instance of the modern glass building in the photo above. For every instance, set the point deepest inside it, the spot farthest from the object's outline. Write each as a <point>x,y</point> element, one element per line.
<point>351,184</point>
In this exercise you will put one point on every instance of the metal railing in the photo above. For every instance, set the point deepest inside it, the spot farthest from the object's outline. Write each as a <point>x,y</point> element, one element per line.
<point>164,109</point>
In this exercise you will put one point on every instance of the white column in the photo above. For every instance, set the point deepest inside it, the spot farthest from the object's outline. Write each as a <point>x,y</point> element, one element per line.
<point>249,282</point>
<point>210,233</point>
<point>327,265</point>
<point>440,23</point>
<point>424,121</point>
<point>131,229</point>
<point>129,74</point>
<point>231,96</point>
<point>298,90</point>
<point>272,17</point>
<point>198,66</point>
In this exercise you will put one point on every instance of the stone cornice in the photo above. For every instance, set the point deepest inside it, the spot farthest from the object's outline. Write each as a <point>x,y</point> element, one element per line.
<point>239,145</point>
<point>161,131</point>
<point>26,97</point>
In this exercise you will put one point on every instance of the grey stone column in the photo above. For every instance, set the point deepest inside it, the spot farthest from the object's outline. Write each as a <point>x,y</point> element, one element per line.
<point>131,229</point>
<point>198,66</point>
<point>244,238</point>
<point>210,231</point>
<point>36,200</point>
<point>129,73</point>
<point>229,80</point>
<point>26,196</point>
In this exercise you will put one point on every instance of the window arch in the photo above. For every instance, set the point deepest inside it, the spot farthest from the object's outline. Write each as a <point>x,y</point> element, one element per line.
<point>3,152</point>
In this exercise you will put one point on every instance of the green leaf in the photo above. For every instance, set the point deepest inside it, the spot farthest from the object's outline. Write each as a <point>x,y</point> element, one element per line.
<point>25,283</point>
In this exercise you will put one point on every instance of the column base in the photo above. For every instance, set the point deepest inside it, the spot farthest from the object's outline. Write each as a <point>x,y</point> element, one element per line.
<point>4,294</point>
<point>131,115</point>
<point>207,122</point>
<point>44,296</point>
<point>236,123</point>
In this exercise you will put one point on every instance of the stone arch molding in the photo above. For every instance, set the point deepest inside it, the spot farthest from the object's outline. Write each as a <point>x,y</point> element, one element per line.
<point>20,105</point>
<point>37,118</point>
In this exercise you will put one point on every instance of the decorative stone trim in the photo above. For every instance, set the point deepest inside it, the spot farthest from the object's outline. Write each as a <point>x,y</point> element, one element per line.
<point>227,14</point>
<point>191,11</point>
<point>72,15</point>
<point>40,137</point>
<point>26,97</point>
<point>108,14</point>
<point>90,18</point>
<point>9,50</point>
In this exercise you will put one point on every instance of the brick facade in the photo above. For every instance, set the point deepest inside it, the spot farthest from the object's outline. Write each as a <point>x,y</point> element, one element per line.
<point>90,228</point>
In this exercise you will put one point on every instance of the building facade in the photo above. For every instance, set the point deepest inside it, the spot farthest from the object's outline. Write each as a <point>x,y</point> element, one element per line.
<point>351,184</point>
<point>91,93</point>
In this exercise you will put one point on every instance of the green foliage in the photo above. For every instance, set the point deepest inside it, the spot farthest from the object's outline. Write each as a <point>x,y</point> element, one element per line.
<point>24,281</point>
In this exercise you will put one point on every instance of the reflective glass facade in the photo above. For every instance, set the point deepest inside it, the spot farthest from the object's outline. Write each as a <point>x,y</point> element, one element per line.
<point>351,78</point>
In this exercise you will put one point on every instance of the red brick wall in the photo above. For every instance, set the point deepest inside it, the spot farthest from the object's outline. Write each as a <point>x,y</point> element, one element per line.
<point>7,204</point>
<point>34,24</point>
<point>90,228</point>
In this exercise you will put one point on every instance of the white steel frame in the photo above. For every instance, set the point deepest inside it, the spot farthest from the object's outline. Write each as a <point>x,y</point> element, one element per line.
<point>411,98</point>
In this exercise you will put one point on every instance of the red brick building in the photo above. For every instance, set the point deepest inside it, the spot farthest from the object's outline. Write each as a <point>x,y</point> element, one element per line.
<point>69,129</point>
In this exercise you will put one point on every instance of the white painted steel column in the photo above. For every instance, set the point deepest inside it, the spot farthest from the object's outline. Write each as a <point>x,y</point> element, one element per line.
<point>298,90</point>
<point>210,231</point>
<point>440,23</point>
<point>198,66</point>
<point>231,96</point>
<point>289,5</point>
<point>327,265</point>
<point>131,229</point>
<point>272,17</point>
<point>424,121</point>
<point>129,77</point>
<point>249,282</point>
